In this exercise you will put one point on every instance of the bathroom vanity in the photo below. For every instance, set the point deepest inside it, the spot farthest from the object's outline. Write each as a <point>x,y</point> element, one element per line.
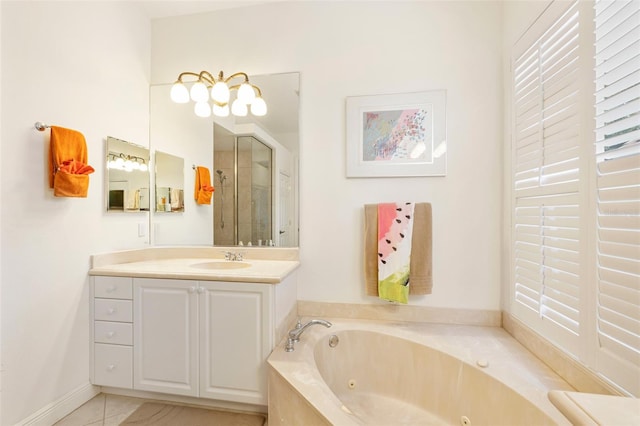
<point>184,321</point>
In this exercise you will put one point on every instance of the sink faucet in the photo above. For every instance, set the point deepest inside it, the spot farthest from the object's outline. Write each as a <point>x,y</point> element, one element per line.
<point>294,334</point>
<point>234,256</point>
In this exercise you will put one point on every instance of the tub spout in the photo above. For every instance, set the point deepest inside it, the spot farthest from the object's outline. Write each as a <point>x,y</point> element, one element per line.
<point>294,334</point>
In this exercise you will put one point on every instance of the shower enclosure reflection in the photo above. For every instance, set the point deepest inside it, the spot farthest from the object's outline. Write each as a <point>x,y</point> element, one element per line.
<point>244,208</point>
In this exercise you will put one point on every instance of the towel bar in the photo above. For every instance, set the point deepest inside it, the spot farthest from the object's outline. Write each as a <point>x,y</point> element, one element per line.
<point>41,126</point>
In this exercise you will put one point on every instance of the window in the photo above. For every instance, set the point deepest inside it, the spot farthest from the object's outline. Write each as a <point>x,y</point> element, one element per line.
<point>617,148</point>
<point>573,204</point>
<point>546,169</point>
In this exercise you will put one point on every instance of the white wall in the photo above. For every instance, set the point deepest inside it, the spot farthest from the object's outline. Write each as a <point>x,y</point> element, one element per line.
<point>83,65</point>
<point>366,48</point>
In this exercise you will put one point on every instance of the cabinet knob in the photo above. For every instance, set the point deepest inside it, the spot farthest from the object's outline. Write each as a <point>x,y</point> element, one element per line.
<point>111,367</point>
<point>200,290</point>
<point>111,289</point>
<point>111,311</point>
<point>192,289</point>
<point>111,334</point>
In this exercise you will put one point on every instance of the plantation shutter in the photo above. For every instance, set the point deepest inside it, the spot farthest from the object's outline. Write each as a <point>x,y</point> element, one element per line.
<point>546,270</point>
<point>617,149</point>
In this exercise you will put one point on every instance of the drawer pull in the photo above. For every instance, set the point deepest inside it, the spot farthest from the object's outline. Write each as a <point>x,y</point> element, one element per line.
<point>111,311</point>
<point>111,367</point>
<point>110,334</point>
<point>111,289</point>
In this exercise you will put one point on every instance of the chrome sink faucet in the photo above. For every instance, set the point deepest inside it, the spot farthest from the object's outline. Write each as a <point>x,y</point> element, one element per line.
<point>233,256</point>
<point>294,334</point>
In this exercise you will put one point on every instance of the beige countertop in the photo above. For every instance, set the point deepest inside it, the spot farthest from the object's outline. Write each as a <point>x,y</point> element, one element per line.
<point>593,409</point>
<point>260,265</point>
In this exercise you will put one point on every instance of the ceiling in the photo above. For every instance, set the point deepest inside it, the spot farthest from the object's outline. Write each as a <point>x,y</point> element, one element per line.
<point>156,9</point>
<point>280,91</point>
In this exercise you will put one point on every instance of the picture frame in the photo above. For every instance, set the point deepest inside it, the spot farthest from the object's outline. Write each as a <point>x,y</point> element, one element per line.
<point>397,135</point>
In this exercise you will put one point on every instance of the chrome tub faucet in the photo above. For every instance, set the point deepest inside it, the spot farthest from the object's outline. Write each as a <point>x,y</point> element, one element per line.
<point>294,334</point>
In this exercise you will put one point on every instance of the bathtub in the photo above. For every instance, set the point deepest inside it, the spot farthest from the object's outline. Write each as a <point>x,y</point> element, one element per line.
<point>380,373</point>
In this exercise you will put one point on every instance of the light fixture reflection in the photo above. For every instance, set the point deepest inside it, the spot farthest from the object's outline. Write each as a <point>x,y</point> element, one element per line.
<point>127,163</point>
<point>206,88</point>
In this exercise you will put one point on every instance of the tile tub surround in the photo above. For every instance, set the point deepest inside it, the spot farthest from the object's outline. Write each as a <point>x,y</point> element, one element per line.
<point>268,265</point>
<point>514,377</point>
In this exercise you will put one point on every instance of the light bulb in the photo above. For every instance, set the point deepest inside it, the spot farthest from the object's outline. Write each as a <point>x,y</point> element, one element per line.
<point>202,109</point>
<point>246,94</point>
<point>258,107</point>
<point>220,92</point>
<point>143,167</point>
<point>135,165</point>
<point>221,111</point>
<point>179,93</point>
<point>239,108</point>
<point>199,92</point>
<point>119,163</point>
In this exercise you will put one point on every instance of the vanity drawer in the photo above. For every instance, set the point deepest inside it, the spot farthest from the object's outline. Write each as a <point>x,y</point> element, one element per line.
<point>113,365</point>
<point>113,287</point>
<point>113,310</point>
<point>117,333</point>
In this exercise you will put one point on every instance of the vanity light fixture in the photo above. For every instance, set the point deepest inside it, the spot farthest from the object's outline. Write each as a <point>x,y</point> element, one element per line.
<point>206,87</point>
<point>128,163</point>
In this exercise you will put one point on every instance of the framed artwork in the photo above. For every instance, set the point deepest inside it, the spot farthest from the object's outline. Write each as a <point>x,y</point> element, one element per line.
<point>397,135</point>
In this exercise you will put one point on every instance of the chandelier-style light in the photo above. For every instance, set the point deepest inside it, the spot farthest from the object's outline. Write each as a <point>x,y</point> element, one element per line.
<point>206,87</point>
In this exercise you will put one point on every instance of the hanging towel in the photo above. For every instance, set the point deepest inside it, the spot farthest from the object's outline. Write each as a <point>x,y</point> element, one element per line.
<point>132,200</point>
<point>203,189</point>
<point>176,196</point>
<point>68,169</point>
<point>420,273</point>
<point>395,231</point>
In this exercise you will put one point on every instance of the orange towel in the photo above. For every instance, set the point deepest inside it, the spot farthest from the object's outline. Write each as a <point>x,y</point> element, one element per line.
<point>68,169</point>
<point>203,189</point>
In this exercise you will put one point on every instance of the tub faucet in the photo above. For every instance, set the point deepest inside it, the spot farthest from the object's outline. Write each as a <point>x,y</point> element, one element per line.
<point>294,334</point>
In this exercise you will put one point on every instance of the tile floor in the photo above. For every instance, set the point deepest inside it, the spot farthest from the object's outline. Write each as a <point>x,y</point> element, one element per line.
<point>102,410</point>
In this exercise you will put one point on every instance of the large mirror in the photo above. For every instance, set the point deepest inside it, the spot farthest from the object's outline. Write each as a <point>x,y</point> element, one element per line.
<point>127,176</point>
<point>253,166</point>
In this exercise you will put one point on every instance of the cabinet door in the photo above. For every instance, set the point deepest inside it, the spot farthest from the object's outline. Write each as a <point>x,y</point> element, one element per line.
<point>165,336</point>
<point>235,319</point>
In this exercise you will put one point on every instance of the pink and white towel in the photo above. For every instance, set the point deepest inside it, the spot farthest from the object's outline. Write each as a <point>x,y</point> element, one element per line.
<point>395,229</point>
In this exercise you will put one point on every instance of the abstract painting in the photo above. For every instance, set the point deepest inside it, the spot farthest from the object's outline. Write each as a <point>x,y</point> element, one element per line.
<point>396,135</point>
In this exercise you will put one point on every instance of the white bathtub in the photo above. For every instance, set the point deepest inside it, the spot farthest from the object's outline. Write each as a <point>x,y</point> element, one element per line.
<point>410,374</point>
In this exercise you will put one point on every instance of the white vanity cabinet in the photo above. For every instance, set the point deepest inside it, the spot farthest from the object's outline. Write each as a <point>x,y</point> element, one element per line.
<point>208,339</point>
<point>163,323</point>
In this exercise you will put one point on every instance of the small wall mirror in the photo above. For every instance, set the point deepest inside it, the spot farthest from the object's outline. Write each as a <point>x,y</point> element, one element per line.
<point>169,177</point>
<point>127,187</point>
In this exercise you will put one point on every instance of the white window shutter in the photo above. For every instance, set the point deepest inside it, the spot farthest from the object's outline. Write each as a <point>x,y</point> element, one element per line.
<point>617,148</point>
<point>546,169</point>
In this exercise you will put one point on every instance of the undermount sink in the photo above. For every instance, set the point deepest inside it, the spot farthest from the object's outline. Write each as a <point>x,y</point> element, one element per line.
<point>221,264</point>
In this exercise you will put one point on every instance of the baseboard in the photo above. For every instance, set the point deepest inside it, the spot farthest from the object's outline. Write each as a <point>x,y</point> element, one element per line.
<point>60,408</point>
<point>395,312</point>
<point>187,400</point>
